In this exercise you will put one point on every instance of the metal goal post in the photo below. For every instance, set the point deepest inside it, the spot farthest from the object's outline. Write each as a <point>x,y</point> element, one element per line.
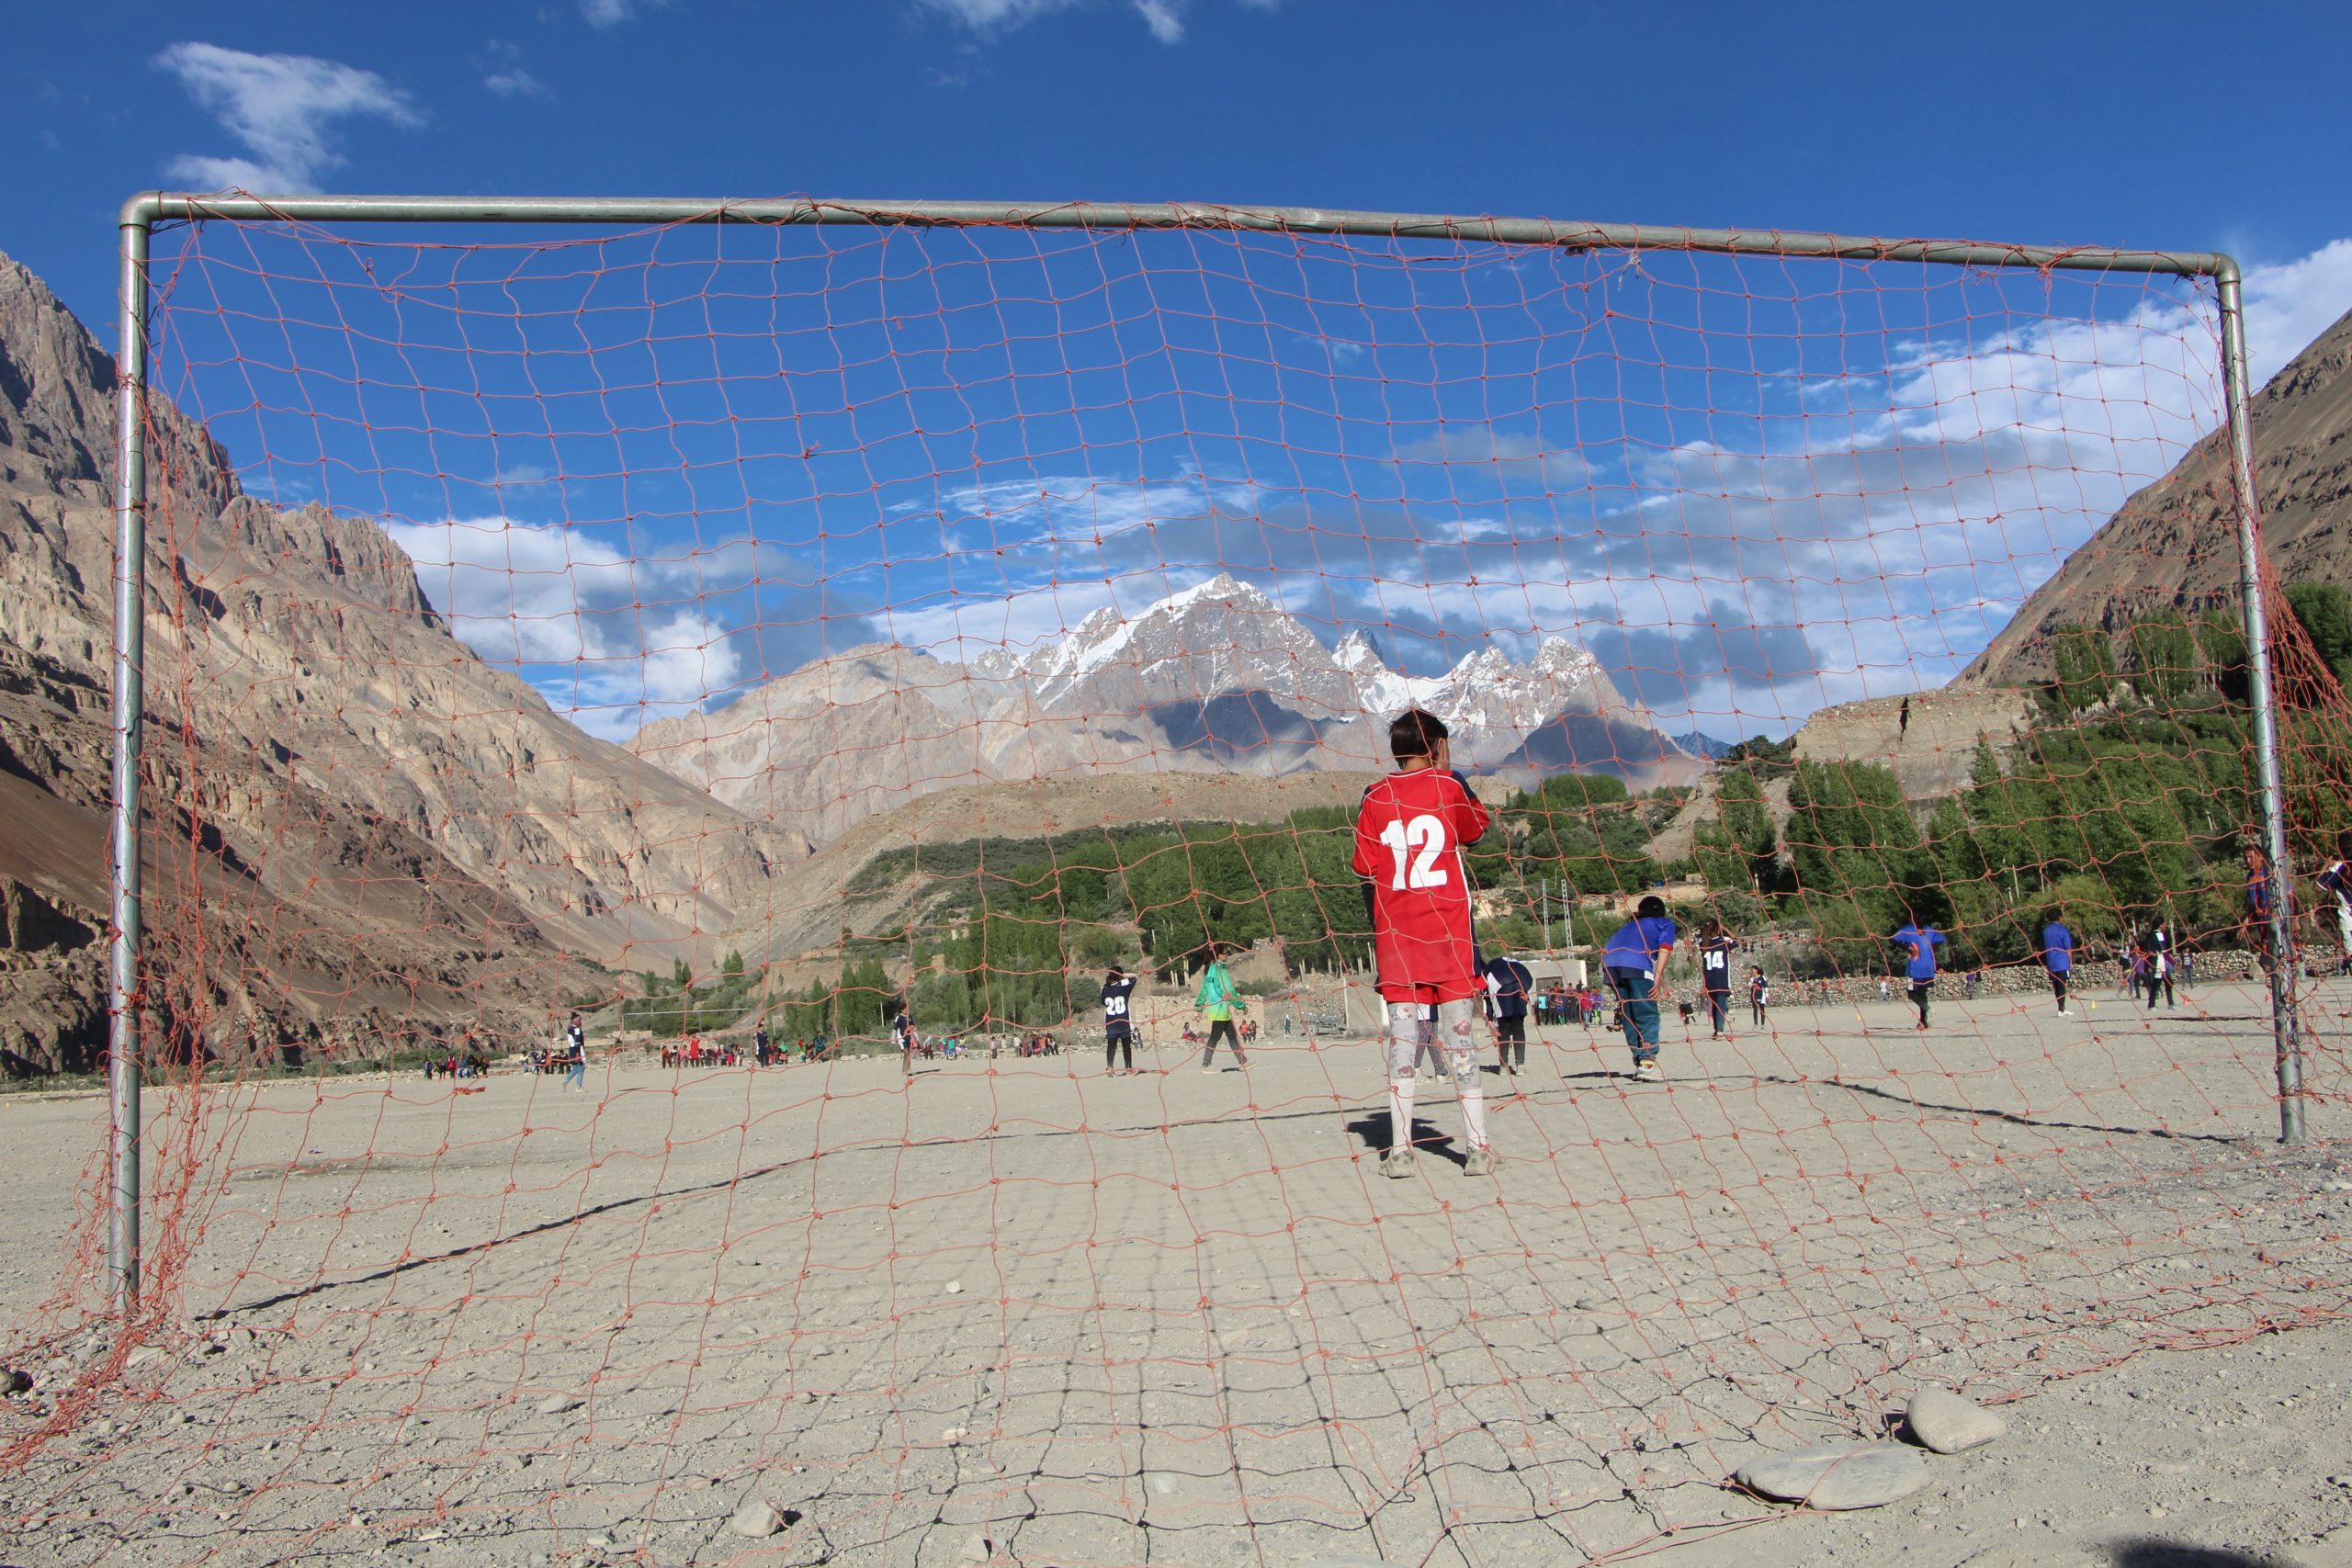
<point>144,212</point>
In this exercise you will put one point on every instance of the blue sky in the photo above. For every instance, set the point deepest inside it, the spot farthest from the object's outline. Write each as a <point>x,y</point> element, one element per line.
<point>1751,490</point>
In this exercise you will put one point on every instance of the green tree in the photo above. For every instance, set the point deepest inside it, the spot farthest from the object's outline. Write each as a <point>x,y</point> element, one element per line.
<point>2326,612</point>
<point>732,968</point>
<point>1747,820</point>
<point>1721,865</point>
<point>2164,657</point>
<point>2221,638</point>
<point>2085,663</point>
<point>1769,759</point>
<point>1851,836</point>
<point>1992,802</point>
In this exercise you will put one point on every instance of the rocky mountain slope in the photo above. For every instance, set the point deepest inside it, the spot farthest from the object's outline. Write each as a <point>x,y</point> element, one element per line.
<point>1215,678</point>
<point>377,820</point>
<point>2175,542</point>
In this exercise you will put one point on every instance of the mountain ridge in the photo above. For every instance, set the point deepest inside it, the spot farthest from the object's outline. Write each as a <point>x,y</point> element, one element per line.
<point>1215,675</point>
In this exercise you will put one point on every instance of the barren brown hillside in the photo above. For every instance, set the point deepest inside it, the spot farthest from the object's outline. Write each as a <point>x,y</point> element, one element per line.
<point>387,833</point>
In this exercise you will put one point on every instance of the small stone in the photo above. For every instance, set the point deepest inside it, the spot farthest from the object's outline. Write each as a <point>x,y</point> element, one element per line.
<point>953,1435</point>
<point>954,1287</point>
<point>560,1404</point>
<point>756,1518</point>
<point>13,1381</point>
<point>1950,1423</point>
<point>977,1549</point>
<point>1857,1475</point>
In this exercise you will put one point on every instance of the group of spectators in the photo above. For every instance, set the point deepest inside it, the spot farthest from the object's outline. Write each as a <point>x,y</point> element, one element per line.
<point>1562,1004</point>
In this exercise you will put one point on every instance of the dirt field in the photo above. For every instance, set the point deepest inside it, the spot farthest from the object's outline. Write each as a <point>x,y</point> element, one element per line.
<point>1179,1317</point>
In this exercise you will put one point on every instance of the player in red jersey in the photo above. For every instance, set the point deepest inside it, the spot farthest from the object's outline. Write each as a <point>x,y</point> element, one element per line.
<point>1409,833</point>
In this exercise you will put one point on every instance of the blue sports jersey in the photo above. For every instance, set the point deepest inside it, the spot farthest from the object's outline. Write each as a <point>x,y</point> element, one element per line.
<point>2057,949</point>
<point>1638,942</point>
<point>1920,942</point>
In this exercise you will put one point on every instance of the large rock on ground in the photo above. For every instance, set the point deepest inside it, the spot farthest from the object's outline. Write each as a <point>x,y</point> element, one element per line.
<point>1950,1423</point>
<point>1840,1476</point>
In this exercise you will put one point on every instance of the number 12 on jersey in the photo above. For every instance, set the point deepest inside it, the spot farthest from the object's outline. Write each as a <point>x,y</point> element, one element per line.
<point>1424,834</point>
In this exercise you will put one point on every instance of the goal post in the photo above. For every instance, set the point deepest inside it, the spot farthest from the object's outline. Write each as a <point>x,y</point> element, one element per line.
<point>143,211</point>
<point>1033,579</point>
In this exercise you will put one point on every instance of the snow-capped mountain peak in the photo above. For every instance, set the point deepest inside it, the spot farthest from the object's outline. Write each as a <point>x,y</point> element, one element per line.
<point>1213,676</point>
<point>1224,635</point>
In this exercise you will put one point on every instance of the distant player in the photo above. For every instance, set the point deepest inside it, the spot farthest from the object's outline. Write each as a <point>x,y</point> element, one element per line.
<point>2335,881</point>
<point>1509,984</point>
<point>1716,945</point>
<point>2154,945</point>
<point>1118,1028</point>
<point>1409,833</point>
<point>2261,900</point>
<point>2057,954</point>
<point>1632,961</point>
<point>1217,1001</point>
<point>1759,994</point>
<point>1917,945</point>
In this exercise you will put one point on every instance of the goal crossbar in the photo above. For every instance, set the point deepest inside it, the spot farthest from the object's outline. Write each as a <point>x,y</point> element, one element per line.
<point>150,207</point>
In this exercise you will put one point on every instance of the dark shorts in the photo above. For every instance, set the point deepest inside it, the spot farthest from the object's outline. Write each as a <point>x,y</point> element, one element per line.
<point>1115,1033</point>
<point>1511,1030</point>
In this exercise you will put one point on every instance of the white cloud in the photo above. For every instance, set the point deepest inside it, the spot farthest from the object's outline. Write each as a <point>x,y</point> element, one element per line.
<point>2288,304</point>
<point>1511,454</point>
<point>634,637</point>
<point>516,83</point>
<point>1165,18</point>
<point>281,107</point>
<point>606,13</point>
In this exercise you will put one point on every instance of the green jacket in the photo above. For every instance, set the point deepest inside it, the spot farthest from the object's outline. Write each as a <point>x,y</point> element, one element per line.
<point>1216,998</point>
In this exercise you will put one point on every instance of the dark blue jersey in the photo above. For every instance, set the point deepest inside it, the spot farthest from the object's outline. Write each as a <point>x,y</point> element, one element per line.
<point>1508,983</point>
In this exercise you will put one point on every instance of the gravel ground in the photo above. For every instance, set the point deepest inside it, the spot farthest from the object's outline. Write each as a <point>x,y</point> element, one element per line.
<point>1020,1311</point>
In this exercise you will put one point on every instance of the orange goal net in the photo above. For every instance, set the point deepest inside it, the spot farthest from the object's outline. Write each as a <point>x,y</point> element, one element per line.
<point>764,928</point>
